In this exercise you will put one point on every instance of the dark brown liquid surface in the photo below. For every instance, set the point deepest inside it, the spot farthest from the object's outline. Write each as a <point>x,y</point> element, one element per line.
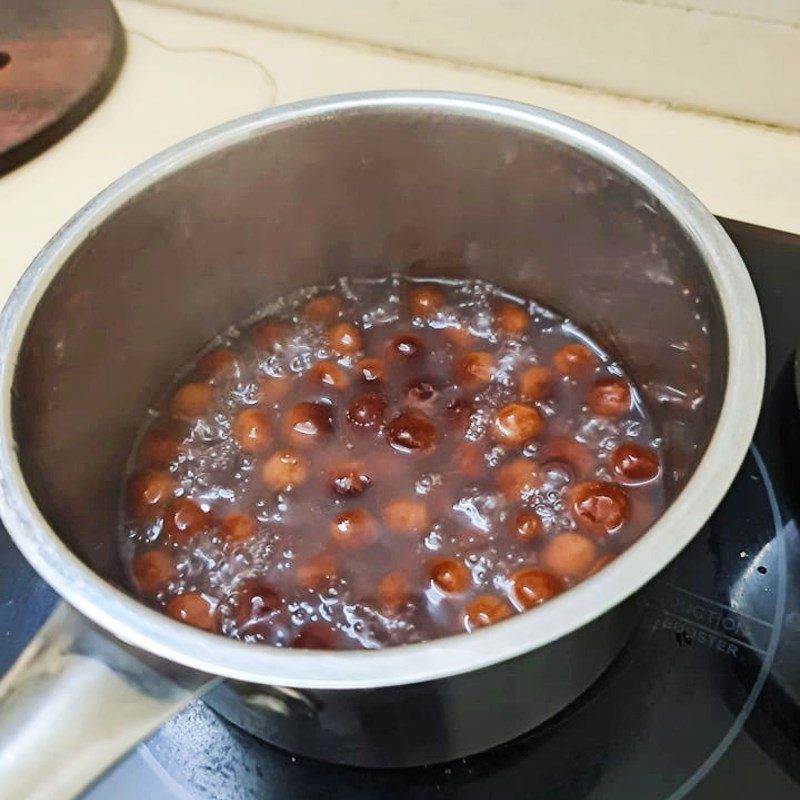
<point>451,491</point>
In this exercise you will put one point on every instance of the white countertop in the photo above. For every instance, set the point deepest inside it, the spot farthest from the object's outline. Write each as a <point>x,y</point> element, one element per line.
<point>185,72</point>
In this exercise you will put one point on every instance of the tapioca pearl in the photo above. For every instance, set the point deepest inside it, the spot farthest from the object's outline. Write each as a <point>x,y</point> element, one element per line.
<point>252,430</point>
<point>527,526</point>
<point>219,365</point>
<point>329,375</point>
<point>191,401</point>
<point>367,410</point>
<point>422,394</point>
<point>406,516</point>
<point>160,446</point>
<point>257,605</point>
<point>610,397</point>
<point>634,464</point>
<point>149,492</point>
<point>576,456</point>
<point>238,527</point>
<point>323,308</point>
<point>353,529</point>
<point>484,610</point>
<point>569,555</point>
<point>425,301</point>
<point>344,338</point>
<point>371,370</point>
<point>185,519</point>
<point>306,423</point>
<point>536,383</point>
<point>315,636</point>
<point>458,337</point>
<point>284,470</point>
<point>469,460</point>
<point>349,479</point>
<point>532,587</point>
<point>392,592</point>
<point>412,432</point>
<point>193,609</point>
<point>406,347</point>
<point>518,479</point>
<point>459,413</point>
<point>448,575</point>
<point>271,388</point>
<point>600,563</point>
<point>598,507</point>
<point>318,572</point>
<point>474,369</point>
<point>575,361</point>
<point>152,571</point>
<point>271,335</point>
<point>511,319</point>
<point>515,423</point>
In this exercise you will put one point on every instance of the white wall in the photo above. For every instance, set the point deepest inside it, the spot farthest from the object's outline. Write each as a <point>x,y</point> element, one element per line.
<point>775,10</point>
<point>738,58</point>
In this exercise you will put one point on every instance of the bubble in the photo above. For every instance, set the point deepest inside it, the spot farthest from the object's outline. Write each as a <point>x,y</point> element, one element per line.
<point>433,541</point>
<point>531,450</point>
<point>427,482</point>
<point>478,509</point>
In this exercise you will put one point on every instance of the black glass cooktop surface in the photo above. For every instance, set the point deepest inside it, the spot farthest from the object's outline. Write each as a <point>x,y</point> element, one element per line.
<point>703,703</point>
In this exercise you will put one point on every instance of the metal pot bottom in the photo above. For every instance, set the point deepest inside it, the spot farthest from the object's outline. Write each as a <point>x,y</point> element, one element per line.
<point>436,721</point>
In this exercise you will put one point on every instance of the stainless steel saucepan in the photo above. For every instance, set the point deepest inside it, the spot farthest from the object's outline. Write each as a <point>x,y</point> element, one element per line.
<point>202,235</point>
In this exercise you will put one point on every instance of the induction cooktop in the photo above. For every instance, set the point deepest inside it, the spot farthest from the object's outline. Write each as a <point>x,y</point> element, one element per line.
<point>703,703</point>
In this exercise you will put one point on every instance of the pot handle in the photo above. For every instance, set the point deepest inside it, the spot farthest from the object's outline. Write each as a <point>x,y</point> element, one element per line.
<point>75,701</point>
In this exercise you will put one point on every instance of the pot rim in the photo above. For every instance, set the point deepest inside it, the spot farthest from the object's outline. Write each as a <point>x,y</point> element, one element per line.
<point>134,623</point>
